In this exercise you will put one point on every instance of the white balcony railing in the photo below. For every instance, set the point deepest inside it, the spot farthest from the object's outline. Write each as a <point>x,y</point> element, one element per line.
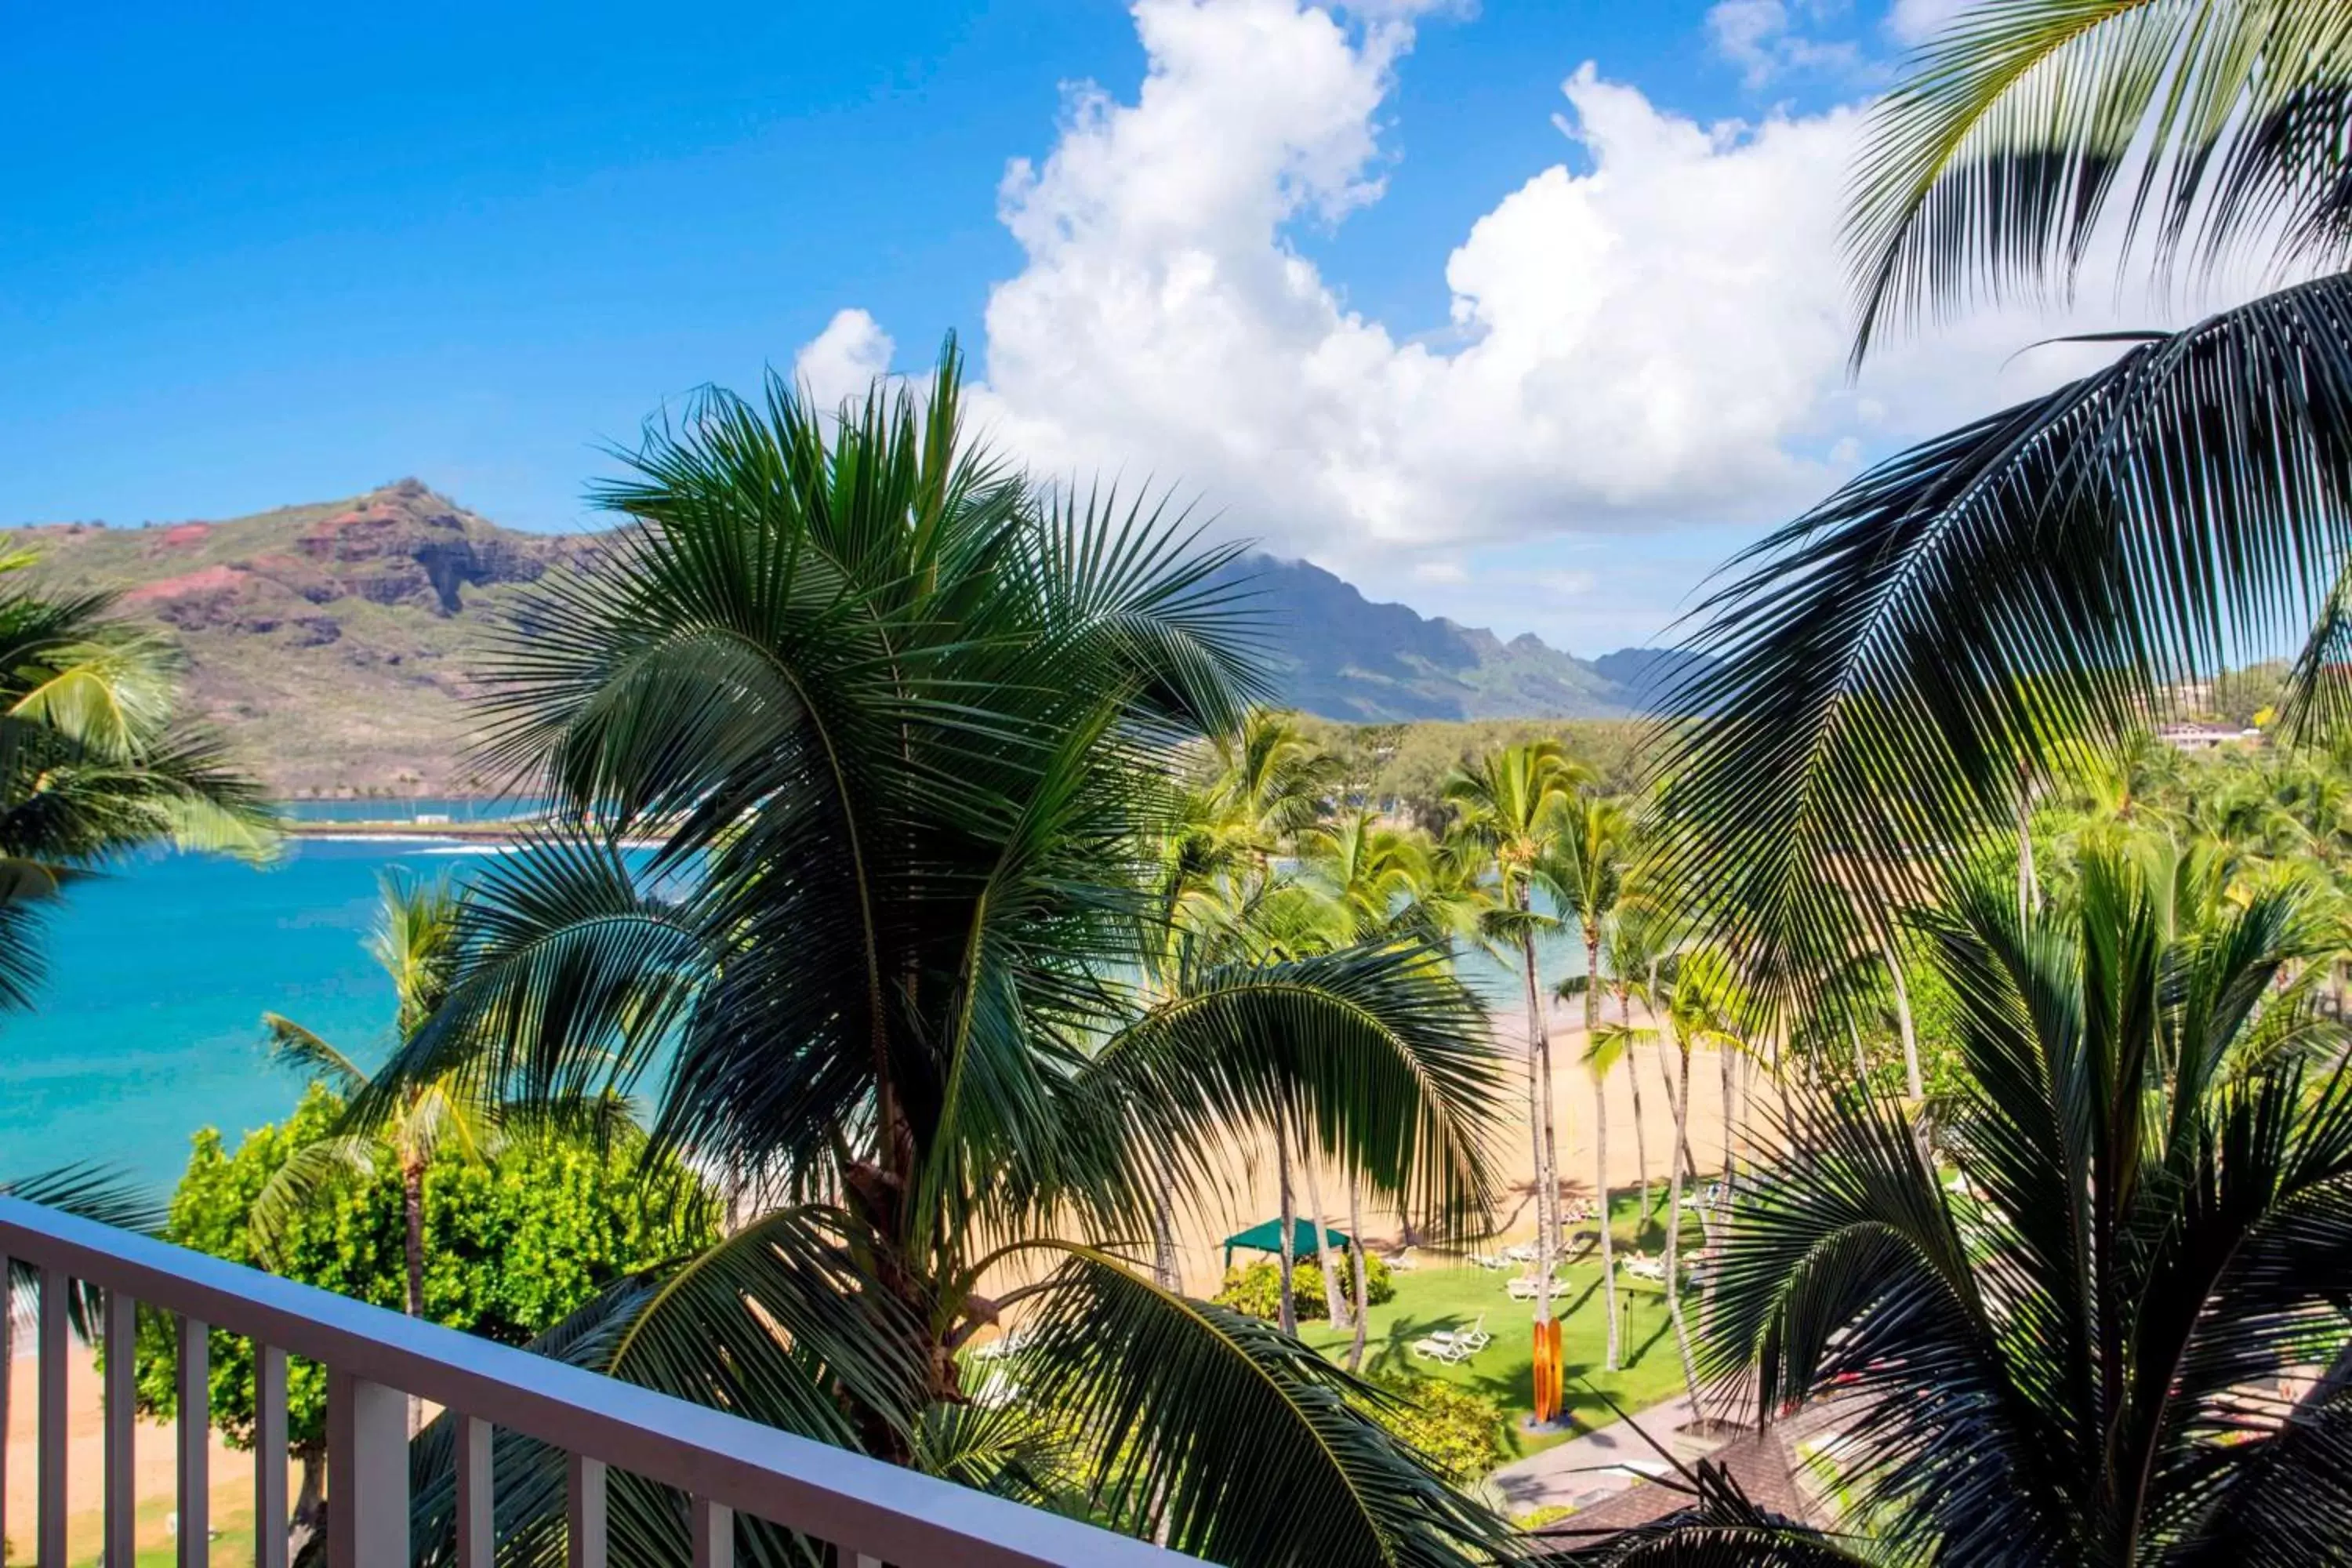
<point>872,1513</point>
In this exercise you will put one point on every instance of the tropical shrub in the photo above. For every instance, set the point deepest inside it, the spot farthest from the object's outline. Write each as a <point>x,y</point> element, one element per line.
<point>513,1245</point>
<point>1256,1288</point>
<point>1460,1434</point>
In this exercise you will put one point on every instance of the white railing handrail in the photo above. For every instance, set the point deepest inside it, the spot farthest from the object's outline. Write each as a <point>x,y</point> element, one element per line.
<point>856,1502</point>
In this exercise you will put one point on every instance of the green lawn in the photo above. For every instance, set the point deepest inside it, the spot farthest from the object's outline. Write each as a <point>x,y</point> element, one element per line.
<point>1442,1294</point>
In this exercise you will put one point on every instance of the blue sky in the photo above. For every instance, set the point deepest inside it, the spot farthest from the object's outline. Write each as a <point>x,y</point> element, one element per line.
<point>1367,282</point>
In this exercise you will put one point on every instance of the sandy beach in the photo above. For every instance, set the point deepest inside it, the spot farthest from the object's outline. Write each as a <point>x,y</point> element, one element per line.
<point>1255,1196</point>
<point>155,1451</point>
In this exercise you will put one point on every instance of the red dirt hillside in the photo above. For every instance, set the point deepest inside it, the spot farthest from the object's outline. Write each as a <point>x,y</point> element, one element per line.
<point>335,642</point>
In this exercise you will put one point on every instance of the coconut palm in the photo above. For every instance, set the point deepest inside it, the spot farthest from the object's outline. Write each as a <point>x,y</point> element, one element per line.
<point>1509,804</point>
<point>97,760</point>
<point>2119,1339</point>
<point>414,942</point>
<point>1963,618</point>
<point>1584,871</point>
<point>904,734</point>
<point>1269,783</point>
<point>1373,870</point>
<point>1694,998</point>
<point>1374,873</point>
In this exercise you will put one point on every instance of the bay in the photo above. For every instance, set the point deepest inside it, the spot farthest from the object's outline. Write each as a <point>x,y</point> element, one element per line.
<point>149,1026</point>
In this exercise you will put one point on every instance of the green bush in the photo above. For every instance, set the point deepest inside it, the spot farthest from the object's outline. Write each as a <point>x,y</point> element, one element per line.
<point>1258,1289</point>
<point>512,1246</point>
<point>1460,1434</point>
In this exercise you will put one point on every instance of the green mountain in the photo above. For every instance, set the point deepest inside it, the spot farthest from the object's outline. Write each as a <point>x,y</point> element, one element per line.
<point>1338,655</point>
<point>338,642</point>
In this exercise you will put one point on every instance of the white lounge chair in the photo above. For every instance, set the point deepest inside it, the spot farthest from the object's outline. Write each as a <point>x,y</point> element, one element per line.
<point>1525,1252</point>
<point>1489,1260</point>
<point>1002,1345</point>
<point>1453,1346</point>
<point>1528,1287</point>
<point>996,1390</point>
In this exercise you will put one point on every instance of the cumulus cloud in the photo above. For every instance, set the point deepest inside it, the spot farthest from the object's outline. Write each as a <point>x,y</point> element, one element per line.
<point>842,360</point>
<point>1650,334</point>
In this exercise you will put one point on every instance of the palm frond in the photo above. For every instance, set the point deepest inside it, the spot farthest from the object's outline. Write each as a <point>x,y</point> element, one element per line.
<point>1239,1443</point>
<point>1898,667</point>
<point>1377,1050</point>
<point>2025,126</point>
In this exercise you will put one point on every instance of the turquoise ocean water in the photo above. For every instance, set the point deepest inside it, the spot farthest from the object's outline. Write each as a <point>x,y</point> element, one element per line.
<point>149,1027</point>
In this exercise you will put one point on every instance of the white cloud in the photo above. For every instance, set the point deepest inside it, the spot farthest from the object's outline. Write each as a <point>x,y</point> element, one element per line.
<point>842,361</point>
<point>1917,21</point>
<point>1765,41</point>
<point>1651,339</point>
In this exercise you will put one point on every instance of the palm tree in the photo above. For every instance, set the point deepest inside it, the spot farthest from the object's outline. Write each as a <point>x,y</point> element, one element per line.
<point>97,760</point>
<point>1510,803</point>
<point>1271,783</point>
<point>1584,871</point>
<point>1374,873</point>
<point>1964,618</point>
<point>2121,1341</point>
<point>905,734</point>
<point>414,942</point>
<point>1694,998</point>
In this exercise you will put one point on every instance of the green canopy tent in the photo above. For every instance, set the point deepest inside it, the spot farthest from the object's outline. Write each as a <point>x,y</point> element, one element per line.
<point>1267,1237</point>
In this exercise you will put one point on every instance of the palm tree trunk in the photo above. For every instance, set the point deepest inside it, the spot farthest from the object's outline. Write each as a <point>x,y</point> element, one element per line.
<point>1287,1315</point>
<point>412,1203</point>
<point>1681,1106</point>
<point>1912,1086</point>
<point>1641,1130</point>
<point>1538,1119</point>
<point>1601,1145</point>
<point>2025,884</point>
<point>1724,1053</point>
<point>1356,1261</point>
<point>1678,1156</point>
<point>1335,1301</point>
<point>309,1521</point>
<point>1165,1268</point>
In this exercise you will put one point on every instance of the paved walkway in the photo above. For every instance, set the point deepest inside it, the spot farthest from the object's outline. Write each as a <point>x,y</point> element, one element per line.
<point>1606,1460</point>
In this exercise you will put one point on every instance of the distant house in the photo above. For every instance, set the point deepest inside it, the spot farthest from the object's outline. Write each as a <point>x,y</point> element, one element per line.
<point>2206,737</point>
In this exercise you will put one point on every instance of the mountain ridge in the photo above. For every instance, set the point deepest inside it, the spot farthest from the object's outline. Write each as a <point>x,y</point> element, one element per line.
<point>334,638</point>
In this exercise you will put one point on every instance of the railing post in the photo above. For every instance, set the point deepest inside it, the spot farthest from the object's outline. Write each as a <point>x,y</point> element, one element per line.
<point>50,1469</point>
<point>122,1423</point>
<point>476,1501</point>
<point>367,1474</point>
<point>585,1534</point>
<point>714,1534</point>
<point>7,1359</point>
<point>195,1436</point>
<point>270,1518</point>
